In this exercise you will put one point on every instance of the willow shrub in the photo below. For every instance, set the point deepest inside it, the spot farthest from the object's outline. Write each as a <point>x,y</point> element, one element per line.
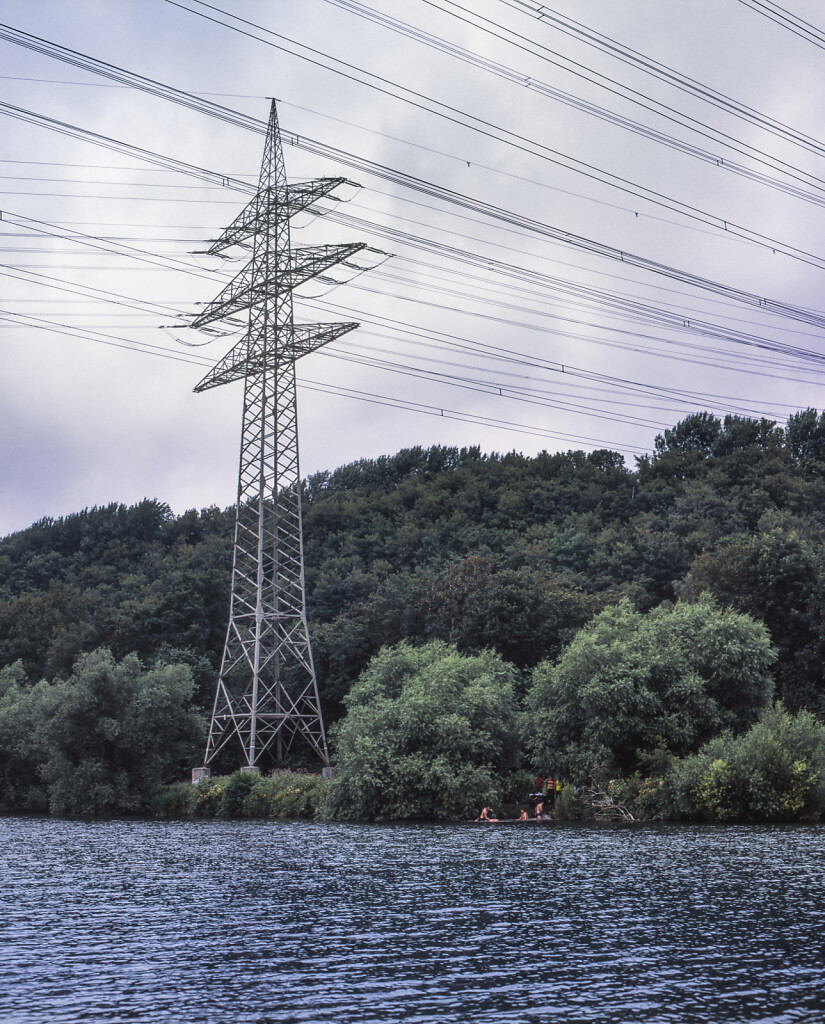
<point>774,771</point>
<point>429,734</point>
<point>98,743</point>
<point>630,681</point>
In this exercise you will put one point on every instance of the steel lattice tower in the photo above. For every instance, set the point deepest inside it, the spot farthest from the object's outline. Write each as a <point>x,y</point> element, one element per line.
<point>267,695</point>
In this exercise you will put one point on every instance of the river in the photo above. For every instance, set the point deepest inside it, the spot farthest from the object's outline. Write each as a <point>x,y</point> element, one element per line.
<point>236,922</point>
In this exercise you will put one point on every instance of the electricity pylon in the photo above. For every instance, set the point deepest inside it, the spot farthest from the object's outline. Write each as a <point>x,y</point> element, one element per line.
<point>267,695</point>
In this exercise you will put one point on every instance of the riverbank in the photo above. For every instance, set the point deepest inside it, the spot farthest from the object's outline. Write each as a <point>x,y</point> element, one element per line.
<point>300,795</point>
<point>292,794</point>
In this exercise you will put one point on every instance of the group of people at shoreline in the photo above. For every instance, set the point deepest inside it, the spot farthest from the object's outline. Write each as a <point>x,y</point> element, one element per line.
<point>542,798</point>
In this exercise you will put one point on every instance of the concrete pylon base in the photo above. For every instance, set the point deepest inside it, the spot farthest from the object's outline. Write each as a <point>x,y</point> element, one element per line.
<point>198,774</point>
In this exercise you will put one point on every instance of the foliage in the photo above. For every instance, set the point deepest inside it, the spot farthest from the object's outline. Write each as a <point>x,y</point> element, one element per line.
<point>498,551</point>
<point>130,579</point>
<point>234,795</point>
<point>631,681</point>
<point>568,806</point>
<point>426,731</point>
<point>176,800</point>
<point>774,771</point>
<point>283,794</point>
<point>100,742</point>
<point>22,744</point>
<point>481,551</point>
<point>777,577</point>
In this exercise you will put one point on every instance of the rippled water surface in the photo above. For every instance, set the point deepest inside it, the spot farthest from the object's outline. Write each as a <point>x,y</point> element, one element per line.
<point>268,921</point>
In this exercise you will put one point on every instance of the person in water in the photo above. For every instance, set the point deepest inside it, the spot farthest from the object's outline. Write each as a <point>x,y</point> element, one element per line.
<point>524,815</point>
<point>487,814</point>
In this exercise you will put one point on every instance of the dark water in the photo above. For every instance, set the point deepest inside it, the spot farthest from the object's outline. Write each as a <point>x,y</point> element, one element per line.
<point>261,921</point>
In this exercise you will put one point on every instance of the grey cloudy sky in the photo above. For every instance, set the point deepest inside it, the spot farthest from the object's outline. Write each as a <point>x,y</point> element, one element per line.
<point>91,418</point>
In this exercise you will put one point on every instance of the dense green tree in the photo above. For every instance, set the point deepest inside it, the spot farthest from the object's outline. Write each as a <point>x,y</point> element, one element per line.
<point>806,441</point>
<point>101,741</point>
<point>522,614</point>
<point>629,681</point>
<point>426,732</point>
<point>778,576</point>
<point>23,749</point>
<point>393,547</point>
<point>117,732</point>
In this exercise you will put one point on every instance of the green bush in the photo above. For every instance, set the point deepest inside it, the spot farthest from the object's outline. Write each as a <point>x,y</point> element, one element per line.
<point>646,797</point>
<point>775,771</point>
<point>675,677</point>
<point>209,796</point>
<point>426,734</point>
<point>233,799</point>
<point>283,794</point>
<point>646,793</point>
<point>23,747</point>
<point>101,742</point>
<point>286,794</point>
<point>176,801</point>
<point>568,806</point>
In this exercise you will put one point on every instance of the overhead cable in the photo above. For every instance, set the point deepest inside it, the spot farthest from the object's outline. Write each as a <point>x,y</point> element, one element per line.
<point>605,44</point>
<point>787,19</point>
<point>417,99</point>
<point>586,72</point>
<point>534,85</point>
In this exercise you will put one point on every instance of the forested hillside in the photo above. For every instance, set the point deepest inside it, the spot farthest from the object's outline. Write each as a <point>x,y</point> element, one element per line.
<point>484,551</point>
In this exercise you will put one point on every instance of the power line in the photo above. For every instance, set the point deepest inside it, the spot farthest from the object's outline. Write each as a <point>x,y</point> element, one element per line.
<point>620,305</point>
<point>385,173</point>
<point>96,293</point>
<point>605,44</point>
<point>609,84</point>
<point>609,301</point>
<point>324,387</point>
<point>520,142</point>
<point>449,112</point>
<point>178,169</point>
<point>787,19</point>
<point>534,85</point>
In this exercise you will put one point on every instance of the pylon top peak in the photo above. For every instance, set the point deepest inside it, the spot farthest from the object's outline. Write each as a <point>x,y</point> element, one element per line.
<point>272,165</point>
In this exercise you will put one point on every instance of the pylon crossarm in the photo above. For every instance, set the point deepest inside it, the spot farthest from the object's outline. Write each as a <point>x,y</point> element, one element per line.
<point>243,291</point>
<point>307,338</point>
<point>241,228</point>
<point>315,259</point>
<point>236,296</point>
<point>304,193</point>
<point>234,366</point>
<point>240,361</point>
<point>298,197</point>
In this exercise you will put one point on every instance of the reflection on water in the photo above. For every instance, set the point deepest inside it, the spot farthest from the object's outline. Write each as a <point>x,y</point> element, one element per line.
<point>232,922</point>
